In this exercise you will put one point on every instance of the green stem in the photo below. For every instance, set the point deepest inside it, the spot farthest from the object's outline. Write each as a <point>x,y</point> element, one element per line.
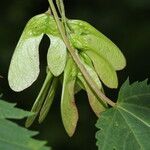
<point>63,12</point>
<point>76,58</point>
<point>58,5</point>
<point>61,9</point>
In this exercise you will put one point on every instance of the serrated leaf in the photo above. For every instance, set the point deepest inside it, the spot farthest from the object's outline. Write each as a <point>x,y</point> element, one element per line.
<point>40,99</point>
<point>105,71</point>
<point>69,110</point>
<point>10,113</point>
<point>48,101</point>
<point>86,37</point>
<point>127,125</point>
<point>14,137</point>
<point>57,55</point>
<point>8,110</point>
<point>24,67</point>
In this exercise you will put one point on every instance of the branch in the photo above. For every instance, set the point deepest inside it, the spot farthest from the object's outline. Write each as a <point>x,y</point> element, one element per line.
<point>76,58</point>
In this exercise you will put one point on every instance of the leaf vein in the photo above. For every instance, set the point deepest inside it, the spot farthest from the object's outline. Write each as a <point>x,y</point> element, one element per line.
<point>131,130</point>
<point>138,118</point>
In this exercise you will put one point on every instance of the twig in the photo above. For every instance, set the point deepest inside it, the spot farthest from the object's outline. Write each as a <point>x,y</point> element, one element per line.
<point>76,58</point>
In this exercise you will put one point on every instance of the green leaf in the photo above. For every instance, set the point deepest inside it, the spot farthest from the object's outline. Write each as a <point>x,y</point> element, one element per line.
<point>86,37</point>
<point>40,99</point>
<point>57,55</point>
<point>24,67</point>
<point>69,110</point>
<point>10,113</point>
<point>14,137</point>
<point>48,101</point>
<point>127,125</point>
<point>105,71</point>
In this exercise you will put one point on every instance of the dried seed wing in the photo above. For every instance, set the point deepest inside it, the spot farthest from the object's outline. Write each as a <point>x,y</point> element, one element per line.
<point>40,99</point>
<point>57,55</point>
<point>48,101</point>
<point>105,71</point>
<point>69,110</point>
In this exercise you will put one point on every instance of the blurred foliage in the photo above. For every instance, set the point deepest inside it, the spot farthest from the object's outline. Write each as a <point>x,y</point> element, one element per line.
<point>126,22</point>
<point>16,137</point>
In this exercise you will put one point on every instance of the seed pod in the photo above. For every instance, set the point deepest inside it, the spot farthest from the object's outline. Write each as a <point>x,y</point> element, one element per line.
<point>48,101</point>
<point>69,110</point>
<point>41,24</point>
<point>78,86</point>
<point>57,55</point>
<point>86,37</point>
<point>86,61</point>
<point>96,104</point>
<point>40,99</point>
<point>90,69</point>
<point>24,66</point>
<point>105,71</point>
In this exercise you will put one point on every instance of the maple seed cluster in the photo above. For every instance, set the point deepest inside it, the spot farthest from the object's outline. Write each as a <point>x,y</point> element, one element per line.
<point>99,55</point>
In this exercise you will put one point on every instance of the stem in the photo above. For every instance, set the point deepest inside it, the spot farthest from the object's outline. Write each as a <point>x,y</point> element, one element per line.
<point>58,5</point>
<point>61,9</point>
<point>76,58</point>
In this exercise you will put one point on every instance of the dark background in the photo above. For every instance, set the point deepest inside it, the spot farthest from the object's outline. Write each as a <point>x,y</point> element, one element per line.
<point>126,22</point>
